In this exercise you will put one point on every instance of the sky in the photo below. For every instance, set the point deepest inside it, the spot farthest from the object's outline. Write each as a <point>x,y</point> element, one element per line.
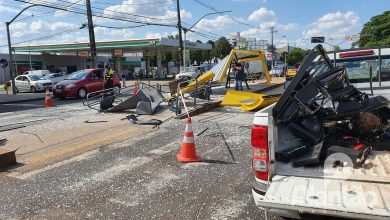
<point>294,20</point>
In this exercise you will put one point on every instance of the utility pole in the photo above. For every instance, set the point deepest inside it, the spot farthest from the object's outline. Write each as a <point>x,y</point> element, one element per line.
<point>272,45</point>
<point>180,36</point>
<point>92,43</point>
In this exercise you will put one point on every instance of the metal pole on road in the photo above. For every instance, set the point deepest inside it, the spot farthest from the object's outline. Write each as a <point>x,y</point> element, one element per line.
<point>92,42</point>
<point>7,24</point>
<point>11,66</point>
<point>180,35</point>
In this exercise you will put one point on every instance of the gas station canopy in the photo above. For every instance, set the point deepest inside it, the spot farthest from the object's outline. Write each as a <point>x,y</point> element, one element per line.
<point>107,46</point>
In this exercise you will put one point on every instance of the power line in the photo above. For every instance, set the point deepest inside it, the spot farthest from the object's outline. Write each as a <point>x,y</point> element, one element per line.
<point>114,27</point>
<point>215,10</point>
<point>135,15</point>
<point>146,3</point>
<point>48,36</point>
<point>96,15</point>
<point>47,13</point>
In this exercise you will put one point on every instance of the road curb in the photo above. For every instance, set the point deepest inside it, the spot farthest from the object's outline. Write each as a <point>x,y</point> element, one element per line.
<point>24,100</point>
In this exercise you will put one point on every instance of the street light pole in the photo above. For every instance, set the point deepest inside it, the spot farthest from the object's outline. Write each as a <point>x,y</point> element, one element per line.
<point>7,24</point>
<point>11,66</point>
<point>185,30</point>
<point>272,45</point>
<point>288,50</point>
<point>180,35</point>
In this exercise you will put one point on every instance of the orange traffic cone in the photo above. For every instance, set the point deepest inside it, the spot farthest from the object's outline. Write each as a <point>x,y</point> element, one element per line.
<point>48,101</point>
<point>188,150</point>
<point>135,90</point>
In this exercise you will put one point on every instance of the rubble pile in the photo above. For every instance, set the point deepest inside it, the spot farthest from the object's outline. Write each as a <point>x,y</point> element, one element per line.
<point>328,114</point>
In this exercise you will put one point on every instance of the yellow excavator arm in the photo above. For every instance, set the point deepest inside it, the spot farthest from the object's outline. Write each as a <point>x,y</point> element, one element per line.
<point>244,56</point>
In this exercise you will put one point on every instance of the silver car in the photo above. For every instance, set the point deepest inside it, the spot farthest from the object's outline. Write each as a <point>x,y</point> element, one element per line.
<point>55,77</point>
<point>32,83</point>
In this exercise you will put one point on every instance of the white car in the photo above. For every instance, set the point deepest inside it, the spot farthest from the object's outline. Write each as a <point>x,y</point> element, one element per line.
<point>32,83</point>
<point>55,77</point>
<point>191,72</point>
<point>39,73</point>
<point>277,71</point>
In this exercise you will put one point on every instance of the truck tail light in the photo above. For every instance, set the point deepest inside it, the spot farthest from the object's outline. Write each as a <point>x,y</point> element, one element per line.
<point>260,160</point>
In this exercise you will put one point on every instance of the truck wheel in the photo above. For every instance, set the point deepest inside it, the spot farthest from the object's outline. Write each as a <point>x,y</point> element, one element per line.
<point>82,93</point>
<point>33,89</point>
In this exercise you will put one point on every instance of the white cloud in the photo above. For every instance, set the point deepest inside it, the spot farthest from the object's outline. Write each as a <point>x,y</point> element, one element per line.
<point>157,13</point>
<point>42,26</point>
<point>262,15</point>
<point>217,23</point>
<point>5,9</point>
<point>102,33</point>
<point>335,25</point>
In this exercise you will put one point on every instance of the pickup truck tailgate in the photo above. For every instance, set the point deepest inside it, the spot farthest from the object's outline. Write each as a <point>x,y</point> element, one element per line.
<point>343,198</point>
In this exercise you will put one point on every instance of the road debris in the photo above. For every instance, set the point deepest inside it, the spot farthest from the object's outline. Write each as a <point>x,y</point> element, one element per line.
<point>88,121</point>
<point>204,130</point>
<point>3,141</point>
<point>11,127</point>
<point>328,114</point>
<point>248,101</point>
<point>200,109</point>
<point>135,120</point>
<point>225,142</point>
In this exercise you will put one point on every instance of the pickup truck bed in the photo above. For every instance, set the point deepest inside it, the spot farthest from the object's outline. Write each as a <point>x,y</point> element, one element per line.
<point>363,194</point>
<point>341,198</point>
<point>375,169</point>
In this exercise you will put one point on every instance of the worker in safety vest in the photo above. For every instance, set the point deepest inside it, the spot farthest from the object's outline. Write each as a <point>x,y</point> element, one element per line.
<point>108,77</point>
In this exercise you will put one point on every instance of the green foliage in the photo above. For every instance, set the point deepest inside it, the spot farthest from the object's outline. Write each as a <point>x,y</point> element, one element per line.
<point>222,48</point>
<point>376,32</point>
<point>296,56</point>
<point>336,48</point>
<point>196,55</point>
<point>207,55</point>
<point>283,55</point>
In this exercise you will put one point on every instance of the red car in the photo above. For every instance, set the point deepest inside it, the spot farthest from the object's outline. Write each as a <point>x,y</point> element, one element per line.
<point>82,82</point>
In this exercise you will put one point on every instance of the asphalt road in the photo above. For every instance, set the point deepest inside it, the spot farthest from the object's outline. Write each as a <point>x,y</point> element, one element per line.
<point>137,177</point>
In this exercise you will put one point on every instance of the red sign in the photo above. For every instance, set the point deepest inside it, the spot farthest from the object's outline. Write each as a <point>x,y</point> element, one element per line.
<point>357,53</point>
<point>84,54</point>
<point>269,55</point>
<point>118,53</point>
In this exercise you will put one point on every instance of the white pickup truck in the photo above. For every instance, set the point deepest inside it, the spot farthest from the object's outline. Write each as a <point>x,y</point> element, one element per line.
<point>321,192</point>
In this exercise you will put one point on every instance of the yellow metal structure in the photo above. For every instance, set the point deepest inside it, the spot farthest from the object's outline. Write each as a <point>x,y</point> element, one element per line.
<point>244,56</point>
<point>248,101</point>
<point>203,79</point>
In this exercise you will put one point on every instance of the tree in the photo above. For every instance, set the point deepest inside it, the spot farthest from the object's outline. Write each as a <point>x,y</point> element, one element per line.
<point>222,48</point>
<point>376,32</point>
<point>206,54</point>
<point>196,55</point>
<point>336,48</point>
<point>296,56</point>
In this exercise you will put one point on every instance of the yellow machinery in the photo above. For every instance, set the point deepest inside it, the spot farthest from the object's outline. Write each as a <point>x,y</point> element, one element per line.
<point>242,56</point>
<point>219,73</point>
<point>248,101</point>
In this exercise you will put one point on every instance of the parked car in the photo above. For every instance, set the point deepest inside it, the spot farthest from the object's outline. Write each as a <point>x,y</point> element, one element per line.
<point>55,77</point>
<point>39,73</point>
<point>278,71</point>
<point>82,82</point>
<point>32,83</point>
<point>192,72</point>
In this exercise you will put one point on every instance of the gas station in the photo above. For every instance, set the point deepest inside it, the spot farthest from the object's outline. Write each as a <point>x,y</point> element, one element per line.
<point>121,54</point>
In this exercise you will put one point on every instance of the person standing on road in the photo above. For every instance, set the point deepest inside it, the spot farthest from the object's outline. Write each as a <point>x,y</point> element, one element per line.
<point>108,77</point>
<point>123,76</point>
<point>238,76</point>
